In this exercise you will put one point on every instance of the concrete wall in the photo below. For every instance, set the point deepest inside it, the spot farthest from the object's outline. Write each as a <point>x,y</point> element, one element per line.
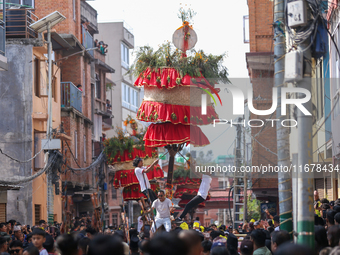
<point>16,127</point>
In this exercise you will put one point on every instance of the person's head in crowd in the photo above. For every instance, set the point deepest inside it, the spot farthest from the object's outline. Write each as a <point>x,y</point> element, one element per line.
<point>219,250</point>
<point>213,227</point>
<point>143,246</point>
<point>134,240</point>
<point>31,250</point>
<point>336,208</point>
<point>270,229</point>
<point>90,232</point>
<point>324,201</point>
<point>318,221</point>
<point>3,244</point>
<point>16,247</point>
<point>214,234</point>
<point>258,237</point>
<point>251,226</point>
<point>293,249</point>
<point>333,235</point>
<point>330,217</point>
<point>3,227</point>
<point>222,228</point>
<point>197,219</point>
<point>161,195</point>
<point>38,238</point>
<point>331,204</point>
<point>83,244</point>
<point>232,244</point>
<point>196,226</point>
<point>67,244</point>
<point>49,244</point>
<point>29,238</point>
<point>17,232</point>
<point>246,247</point>
<point>326,251</point>
<point>325,207</point>
<point>278,238</point>
<point>257,225</point>
<point>276,220</point>
<point>166,243</point>
<point>337,219</point>
<point>235,231</point>
<point>42,224</point>
<point>206,246</point>
<point>106,245</point>
<point>320,238</point>
<point>192,240</point>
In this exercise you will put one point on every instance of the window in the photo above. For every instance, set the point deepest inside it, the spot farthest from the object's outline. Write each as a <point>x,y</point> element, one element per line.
<point>84,82</point>
<point>113,193</point>
<point>84,148</point>
<point>26,3</point>
<point>75,145</point>
<point>125,56</point>
<point>97,87</point>
<point>37,214</point>
<point>36,76</point>
<point>114,219</point>
<point>74,9</point>
<point>129,97</point>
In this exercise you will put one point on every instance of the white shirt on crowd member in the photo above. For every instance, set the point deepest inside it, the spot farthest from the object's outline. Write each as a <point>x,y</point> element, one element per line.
<point>205,186</point>
<point>162,208</point>
<point>139,174</point>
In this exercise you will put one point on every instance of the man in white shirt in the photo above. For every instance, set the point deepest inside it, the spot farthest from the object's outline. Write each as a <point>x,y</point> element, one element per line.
<point>140,172</point>
<point>201,197</point>
<point>163,208</point>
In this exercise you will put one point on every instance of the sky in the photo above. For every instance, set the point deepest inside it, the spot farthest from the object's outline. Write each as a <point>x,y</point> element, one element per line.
<point>219,28</point>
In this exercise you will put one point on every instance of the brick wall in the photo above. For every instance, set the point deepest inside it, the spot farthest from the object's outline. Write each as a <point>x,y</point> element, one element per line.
<point>260,25</point>
<point>65,7</point>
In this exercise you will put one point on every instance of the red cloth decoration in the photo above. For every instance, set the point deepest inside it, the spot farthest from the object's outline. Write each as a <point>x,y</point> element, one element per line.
<point>127,156</point>
<point>162,134</point>
<point>133,192</point>
<point>187,181</point>
<point>128,178</point>
<point>177,114</point>
<point>167,77</point>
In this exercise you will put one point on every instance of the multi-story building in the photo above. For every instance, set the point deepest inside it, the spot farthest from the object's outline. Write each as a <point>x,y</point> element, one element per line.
<point>83,94</point>
<point>123,97</point>
<point>260,65</point>
<point>24,90</point>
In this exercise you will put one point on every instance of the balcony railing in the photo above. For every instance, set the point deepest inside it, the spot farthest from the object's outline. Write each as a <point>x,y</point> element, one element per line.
<point>3,37</point>
<point>71,96</point>
<point>87,40</point>
<point>108,120</point>
<point>18,23</point>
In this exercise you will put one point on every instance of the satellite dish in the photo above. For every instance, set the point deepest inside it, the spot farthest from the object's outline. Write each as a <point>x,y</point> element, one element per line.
<point>179,35</point>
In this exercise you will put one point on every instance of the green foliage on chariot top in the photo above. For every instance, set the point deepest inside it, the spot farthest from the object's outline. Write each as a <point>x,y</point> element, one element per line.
<point>196,64</point>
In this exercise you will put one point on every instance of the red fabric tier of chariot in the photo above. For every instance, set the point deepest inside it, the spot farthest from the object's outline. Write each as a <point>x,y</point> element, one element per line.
<point>182,203</point>
<point>180,191</point>
<point>162,134</point>
<point>165,78</point>
<point>128,177</point>
<point>133,192</point>
<point>150,111</point>
<point>127,156</point>
<point>187,181</point>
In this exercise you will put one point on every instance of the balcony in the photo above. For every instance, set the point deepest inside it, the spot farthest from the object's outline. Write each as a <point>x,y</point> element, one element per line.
<point>71,96</point>
<point>87,40</point>
<point>18,23</point>
<point>88,14</point>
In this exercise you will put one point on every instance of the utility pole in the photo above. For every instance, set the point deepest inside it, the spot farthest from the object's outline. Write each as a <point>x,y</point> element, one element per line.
<point>305,220</point>
<point>282,133</point>
<point>102,183</point>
